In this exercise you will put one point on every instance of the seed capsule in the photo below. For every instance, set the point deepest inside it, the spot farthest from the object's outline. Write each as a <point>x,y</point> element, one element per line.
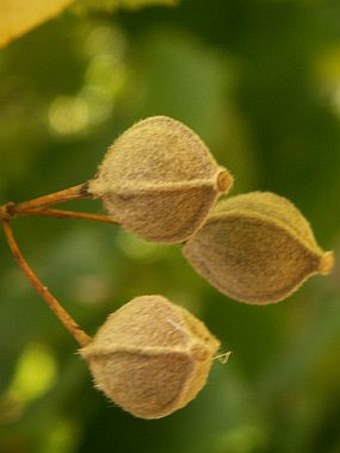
<point>257,248</point>
<point>159,180</point>
<point>151,357</point>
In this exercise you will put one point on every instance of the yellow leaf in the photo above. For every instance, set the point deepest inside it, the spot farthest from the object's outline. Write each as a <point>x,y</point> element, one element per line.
<point>17,17</point>
<point>113,5</point>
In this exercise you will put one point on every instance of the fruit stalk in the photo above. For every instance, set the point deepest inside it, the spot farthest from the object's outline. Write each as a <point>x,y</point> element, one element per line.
<point>40,203</point>
<point>66,214</point>
<point>68,322</point>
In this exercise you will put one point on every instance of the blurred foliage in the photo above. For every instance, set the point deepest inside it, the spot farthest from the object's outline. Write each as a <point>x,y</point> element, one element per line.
<point>260,82</point>
<point>112,5</point>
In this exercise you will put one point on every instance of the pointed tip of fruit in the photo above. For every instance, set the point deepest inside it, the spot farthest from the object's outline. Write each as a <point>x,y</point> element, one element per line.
<point>327,262</point>
<point>224,181</point>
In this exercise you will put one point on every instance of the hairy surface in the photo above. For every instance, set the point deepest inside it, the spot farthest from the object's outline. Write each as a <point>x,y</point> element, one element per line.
<point>159,180</point>
<point>151,357</point>
<point>256,248</point>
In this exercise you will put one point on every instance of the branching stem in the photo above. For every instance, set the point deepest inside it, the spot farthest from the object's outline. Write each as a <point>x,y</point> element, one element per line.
<point>72,193</point>
<point>39,206</point>
<point>62,214</point>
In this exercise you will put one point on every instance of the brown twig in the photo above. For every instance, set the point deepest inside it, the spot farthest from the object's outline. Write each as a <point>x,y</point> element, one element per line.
<point>72,193</point>
<point>62,214</point>
<point>69,323</point>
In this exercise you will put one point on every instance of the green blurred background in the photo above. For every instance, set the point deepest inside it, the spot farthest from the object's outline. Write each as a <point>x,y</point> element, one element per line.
<point>260,82</point>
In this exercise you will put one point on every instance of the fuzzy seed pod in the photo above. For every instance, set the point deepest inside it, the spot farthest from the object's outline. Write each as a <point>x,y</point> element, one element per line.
<point>257,248</point>
<point>151,357</point>
<point>159,180</point>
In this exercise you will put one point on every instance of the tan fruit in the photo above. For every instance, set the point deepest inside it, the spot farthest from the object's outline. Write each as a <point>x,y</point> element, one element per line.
<point>257,248</point>
<point>151,357</point>
<point>159,180</point>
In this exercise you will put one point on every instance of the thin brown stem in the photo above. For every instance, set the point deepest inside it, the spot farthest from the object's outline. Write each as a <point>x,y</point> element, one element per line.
<point>69,323</point>
<point>72,193</point>
<point>62,214</point>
